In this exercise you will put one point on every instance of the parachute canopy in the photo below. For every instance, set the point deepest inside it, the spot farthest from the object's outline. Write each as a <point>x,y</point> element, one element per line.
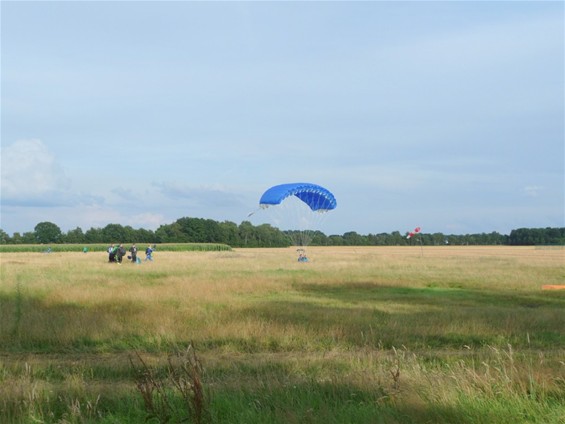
<point>297,209</point>
<point>318,198</point>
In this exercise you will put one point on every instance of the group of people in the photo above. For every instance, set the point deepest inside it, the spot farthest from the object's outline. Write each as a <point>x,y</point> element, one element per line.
<point>117,253</point>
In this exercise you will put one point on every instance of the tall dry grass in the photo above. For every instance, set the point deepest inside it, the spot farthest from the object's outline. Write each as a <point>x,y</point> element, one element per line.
<point>411,329</point>
<point>349,296</point>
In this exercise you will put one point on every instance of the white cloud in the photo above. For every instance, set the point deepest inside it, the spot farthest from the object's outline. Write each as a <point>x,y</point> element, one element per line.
<point>532,190</point>
<point>31,174</point>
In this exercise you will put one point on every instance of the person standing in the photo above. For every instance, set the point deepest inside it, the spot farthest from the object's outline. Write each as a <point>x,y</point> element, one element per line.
<point>133,251</point>
<point>148,253</point>
<point>111,253</point>
<point>120,253</point>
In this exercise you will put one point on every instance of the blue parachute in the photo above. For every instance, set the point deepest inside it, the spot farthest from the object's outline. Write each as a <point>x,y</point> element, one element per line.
<point>318,198</point>
<point>297,209</point>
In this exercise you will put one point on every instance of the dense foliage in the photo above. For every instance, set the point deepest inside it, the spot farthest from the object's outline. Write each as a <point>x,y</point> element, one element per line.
<point>200,230</point>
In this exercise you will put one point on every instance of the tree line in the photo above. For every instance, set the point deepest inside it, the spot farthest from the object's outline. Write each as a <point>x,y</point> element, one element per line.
<point>200,230</point>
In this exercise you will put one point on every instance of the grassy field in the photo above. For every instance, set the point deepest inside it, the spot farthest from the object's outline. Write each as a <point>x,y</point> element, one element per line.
<point>355,335</point>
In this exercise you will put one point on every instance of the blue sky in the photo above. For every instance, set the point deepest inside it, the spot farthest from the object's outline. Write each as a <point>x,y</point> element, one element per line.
<point>443,115</point>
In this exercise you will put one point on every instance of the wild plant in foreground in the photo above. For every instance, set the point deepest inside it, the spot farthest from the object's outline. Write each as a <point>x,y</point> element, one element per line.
<point>183,378</point>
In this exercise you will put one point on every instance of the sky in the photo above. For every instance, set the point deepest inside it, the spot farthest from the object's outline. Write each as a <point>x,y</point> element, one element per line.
<point>446,115</point>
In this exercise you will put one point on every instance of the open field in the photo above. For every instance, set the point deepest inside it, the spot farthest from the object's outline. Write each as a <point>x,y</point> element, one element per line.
<point>356,335</point>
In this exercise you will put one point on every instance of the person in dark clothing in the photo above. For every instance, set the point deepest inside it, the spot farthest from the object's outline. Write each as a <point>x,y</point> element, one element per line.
<point>112,253</point>
<point>120,253</point>
<point>133,251</point>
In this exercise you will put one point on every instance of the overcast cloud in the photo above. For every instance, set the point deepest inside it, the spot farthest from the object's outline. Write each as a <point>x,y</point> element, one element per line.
<point>443,115</point>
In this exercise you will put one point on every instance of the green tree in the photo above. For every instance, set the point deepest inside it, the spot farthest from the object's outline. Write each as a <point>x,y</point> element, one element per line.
<point>230,234</point>
<point>115,233</point>
<point>352,238</point>
<point>336,240</point>
<point>171,233</point>
<point>247,234</point>
<point>4,237</point>
<point>319,239</point>
<point>144,236</point>
<point>531,236</point>
<point>94,235</point>
<point>396,239</point>
<point>47,232</point>
<point>75,236</point>
<point>269,236</point>
<point>28,237</point>
<point>200,230</point>
<point>17,238</point>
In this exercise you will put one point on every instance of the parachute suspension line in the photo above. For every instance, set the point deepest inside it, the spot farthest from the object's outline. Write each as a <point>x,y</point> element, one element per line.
<point>298,220</point>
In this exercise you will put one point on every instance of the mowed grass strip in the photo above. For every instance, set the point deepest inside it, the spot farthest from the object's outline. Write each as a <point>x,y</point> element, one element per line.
<point>393,334</point>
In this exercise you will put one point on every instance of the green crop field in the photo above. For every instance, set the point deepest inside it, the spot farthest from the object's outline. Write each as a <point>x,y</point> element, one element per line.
<point>102,247</point>
<point>355,335</point>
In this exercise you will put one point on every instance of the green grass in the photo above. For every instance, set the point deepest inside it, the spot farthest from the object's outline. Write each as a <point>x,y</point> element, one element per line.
<point>356,335</point>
